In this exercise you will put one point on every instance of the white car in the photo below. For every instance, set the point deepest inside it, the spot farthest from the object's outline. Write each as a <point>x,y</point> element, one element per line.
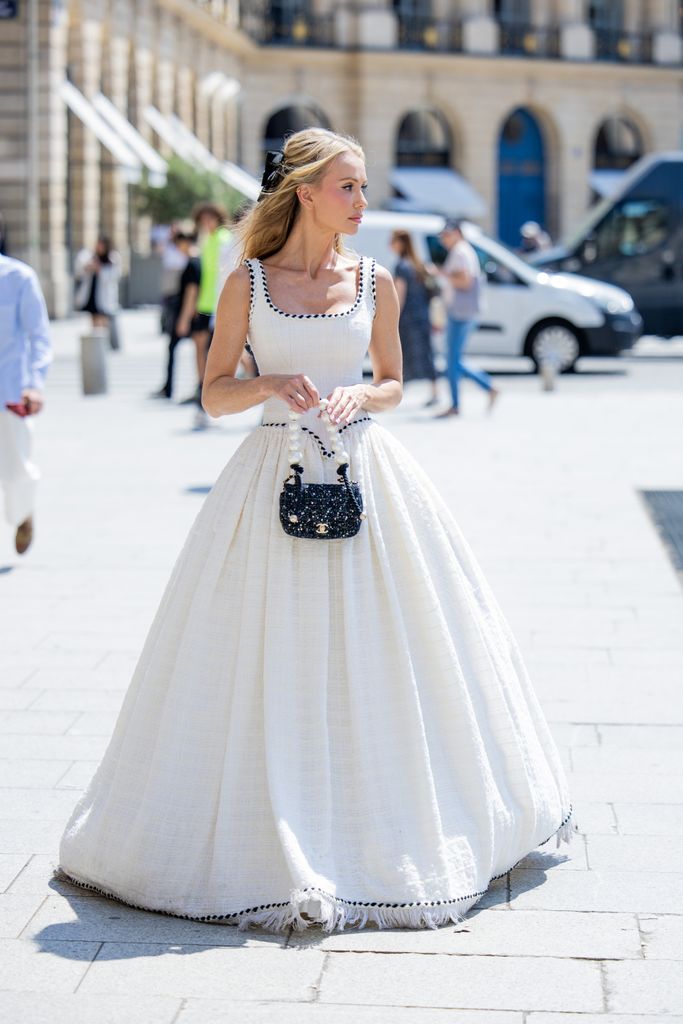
<point>526,312</point>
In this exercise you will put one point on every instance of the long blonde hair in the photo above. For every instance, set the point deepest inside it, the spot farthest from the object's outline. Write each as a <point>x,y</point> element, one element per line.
<point>307,156</point>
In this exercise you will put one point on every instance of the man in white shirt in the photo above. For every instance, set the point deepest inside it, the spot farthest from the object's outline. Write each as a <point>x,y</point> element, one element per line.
<point>25,354</point>
<point>462,277</point>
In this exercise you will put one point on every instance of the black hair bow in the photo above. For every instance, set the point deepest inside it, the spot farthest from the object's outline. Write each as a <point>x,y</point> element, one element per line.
<point>273,171</point>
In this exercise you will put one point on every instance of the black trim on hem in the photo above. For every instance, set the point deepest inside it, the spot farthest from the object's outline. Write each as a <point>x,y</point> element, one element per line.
<point>59,873</point>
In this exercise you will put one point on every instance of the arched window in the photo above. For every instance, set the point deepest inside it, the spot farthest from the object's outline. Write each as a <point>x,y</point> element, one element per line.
<point>423,140</point>
<point>617,145</point>
<point>291,119</point>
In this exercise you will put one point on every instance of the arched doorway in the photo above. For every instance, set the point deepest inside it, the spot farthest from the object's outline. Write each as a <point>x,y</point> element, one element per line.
<point>290,119</point>
<point>521,175</point>
<point>424,139</point>
<point>618,144</point>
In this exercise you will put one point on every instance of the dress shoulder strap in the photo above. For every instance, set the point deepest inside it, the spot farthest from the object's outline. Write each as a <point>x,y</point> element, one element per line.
<point>369,266</point>
<point>254,282</point>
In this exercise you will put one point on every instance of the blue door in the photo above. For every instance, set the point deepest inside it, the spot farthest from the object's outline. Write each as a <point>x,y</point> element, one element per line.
<point>521,175</point>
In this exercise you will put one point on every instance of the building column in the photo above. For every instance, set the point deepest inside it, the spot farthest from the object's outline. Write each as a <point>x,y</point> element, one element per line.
<point>202,100</point>
<point>662,20</point>
<point>577,40</point>
<point>33,150</point>
<point>115,191</point>
<point>480,30</point>
<point>164,70</point>
<point>84,62</point>
<point>143,69</point>
<point>185,89</point>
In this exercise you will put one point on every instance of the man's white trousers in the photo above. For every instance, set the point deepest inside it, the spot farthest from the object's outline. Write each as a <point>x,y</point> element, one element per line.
<point>18,475</point>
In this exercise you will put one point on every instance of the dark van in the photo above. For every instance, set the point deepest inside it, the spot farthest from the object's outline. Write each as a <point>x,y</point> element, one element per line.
<point>634,239</point>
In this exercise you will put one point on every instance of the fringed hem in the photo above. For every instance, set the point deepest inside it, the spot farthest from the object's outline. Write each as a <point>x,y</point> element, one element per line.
<point>311,907</point>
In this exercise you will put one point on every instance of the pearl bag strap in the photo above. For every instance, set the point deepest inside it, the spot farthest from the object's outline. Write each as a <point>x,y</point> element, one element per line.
<point>341,456</point>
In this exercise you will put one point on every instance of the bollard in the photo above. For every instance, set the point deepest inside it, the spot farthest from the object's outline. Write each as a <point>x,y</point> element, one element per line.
<point>94,361</point>
<point>550,367</point>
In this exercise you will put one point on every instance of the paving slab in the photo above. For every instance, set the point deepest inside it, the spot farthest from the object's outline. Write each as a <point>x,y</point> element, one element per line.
<point>79,1008</point>
<point>659,819</point>
<point>211,1011</point>
<point>463,982</point>
<point>94,918</point>
<point>15,913</point>
<point>602,1018</point>
<point>48,967</point>
<point>650,986</point>
<point>240,974</point>
<point>543,933</point>
<point>600,891</point>
<point>635,853</point>
<point>662,936</point>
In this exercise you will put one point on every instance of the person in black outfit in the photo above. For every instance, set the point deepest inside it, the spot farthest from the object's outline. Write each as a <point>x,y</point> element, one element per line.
<point>186,303</point>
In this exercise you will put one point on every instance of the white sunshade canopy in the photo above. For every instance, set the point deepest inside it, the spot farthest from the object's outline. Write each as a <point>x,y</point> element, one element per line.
<point>154,163</point>
<point>605,182</point>
<point>188,147</point>
<point>126,158</point>
<point>435,190</point>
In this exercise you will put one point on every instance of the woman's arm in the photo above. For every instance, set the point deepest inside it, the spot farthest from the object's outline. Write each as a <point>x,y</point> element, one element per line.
<point>222,392</point>
<point>386,390</point>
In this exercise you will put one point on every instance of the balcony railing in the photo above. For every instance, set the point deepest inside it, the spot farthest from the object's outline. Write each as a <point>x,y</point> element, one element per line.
<point>524,40</point>
<point>613,44</point>
<point>420,32</point>
<point>303,29</point>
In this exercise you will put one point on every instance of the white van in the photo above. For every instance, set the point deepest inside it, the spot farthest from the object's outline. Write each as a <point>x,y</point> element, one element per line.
<point>526,312</point>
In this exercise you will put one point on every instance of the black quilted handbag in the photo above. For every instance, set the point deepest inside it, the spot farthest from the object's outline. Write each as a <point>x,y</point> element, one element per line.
<point>326,511</point>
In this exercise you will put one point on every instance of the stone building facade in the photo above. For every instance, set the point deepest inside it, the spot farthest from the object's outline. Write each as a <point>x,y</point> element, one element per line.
<point>526,99</point>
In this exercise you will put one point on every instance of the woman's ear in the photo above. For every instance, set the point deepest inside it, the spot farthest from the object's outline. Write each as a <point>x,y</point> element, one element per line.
<point>305,195</point>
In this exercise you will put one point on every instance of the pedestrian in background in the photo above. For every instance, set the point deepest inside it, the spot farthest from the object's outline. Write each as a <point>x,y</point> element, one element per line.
<point>230,257</point>
<point>210,219</point>
<point>97,275</point>
<point>25,354</point>
<point>462,277</point>
<point>184,304</point>
<point>173,262</point>
<point>533,238</point>
<point>415,288</point>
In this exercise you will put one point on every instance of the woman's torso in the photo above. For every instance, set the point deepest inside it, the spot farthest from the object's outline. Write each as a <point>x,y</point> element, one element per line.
<point>328,347</point>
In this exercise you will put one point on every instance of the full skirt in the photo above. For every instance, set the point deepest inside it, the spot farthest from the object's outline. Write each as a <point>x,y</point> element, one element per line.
<point>319,731</point>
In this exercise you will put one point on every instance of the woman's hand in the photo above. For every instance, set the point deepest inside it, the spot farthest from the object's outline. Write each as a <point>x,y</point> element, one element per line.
<point>297,390</point>
<point>344,402</point>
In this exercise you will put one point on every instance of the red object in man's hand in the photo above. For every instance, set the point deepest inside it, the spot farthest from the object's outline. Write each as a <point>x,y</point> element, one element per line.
<point>19,408</point>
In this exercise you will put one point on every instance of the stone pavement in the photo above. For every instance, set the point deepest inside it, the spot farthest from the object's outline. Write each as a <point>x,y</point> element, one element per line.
<point>546,491</point>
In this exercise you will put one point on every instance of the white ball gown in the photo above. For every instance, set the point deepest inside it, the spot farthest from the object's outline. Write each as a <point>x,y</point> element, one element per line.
<point>320,732</point>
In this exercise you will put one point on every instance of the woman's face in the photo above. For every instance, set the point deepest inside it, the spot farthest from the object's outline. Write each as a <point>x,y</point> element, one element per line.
<point>338,200</point>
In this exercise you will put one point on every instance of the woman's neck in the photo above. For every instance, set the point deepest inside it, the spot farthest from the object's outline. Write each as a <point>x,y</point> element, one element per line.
<point>309,249</point>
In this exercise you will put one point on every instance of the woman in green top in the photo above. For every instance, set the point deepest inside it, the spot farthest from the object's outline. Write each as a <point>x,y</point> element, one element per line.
<point>210,220</point>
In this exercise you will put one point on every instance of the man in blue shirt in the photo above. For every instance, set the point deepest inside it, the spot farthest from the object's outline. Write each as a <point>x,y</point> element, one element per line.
<point>25,354</point>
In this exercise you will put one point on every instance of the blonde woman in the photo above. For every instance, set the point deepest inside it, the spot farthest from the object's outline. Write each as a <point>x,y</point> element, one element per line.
<point>318,732</point>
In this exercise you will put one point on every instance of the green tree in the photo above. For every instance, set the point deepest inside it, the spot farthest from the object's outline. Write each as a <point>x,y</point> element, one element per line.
<point>185,187</point>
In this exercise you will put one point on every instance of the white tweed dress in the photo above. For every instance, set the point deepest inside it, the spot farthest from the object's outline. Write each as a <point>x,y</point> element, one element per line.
<point>320,732</point>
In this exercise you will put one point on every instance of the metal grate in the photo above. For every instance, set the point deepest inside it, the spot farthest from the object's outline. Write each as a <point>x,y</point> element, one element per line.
<point>666,510</point>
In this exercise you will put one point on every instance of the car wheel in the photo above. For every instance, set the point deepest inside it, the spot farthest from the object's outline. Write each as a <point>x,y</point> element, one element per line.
<point>556,341</point>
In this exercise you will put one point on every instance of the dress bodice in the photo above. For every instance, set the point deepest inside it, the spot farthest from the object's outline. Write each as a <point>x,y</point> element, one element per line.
<point>328,347</point>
